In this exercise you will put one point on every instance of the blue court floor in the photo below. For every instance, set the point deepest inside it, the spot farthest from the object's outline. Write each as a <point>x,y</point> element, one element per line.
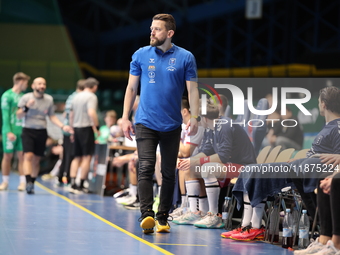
<point>55,222</point>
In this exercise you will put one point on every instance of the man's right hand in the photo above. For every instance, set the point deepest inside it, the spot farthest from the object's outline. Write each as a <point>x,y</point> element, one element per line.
<point>30,103</point>
<point>128,128</point>
<point>12,137</point>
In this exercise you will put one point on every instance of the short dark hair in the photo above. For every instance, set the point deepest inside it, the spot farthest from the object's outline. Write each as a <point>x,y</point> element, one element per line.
<point>185,103</point>
<point>331,97</point>
<point>80,84</point>
<point>170,22</point>
<point>90,82</point>
<point>20,76</point>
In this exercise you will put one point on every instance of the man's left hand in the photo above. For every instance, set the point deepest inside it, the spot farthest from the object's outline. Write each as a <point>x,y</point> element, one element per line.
<point>68,129</point>
<point>193,124</point>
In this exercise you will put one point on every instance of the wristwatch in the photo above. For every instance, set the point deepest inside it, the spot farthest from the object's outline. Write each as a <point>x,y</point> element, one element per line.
<point>198,118</point>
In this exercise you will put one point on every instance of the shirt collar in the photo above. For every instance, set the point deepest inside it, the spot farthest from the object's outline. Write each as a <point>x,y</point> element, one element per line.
<point>171,50</point>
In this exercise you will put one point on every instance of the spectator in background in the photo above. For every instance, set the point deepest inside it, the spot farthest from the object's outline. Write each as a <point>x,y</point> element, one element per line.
<point>104,131</point>
<point>12,129</point>
<point>34,107</point>
<point>67,156</point>
<point>221,107</point>
<point>84,120</point>
<point>289,135</point>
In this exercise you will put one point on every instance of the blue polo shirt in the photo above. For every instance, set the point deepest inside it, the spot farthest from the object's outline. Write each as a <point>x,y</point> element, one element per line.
<point>328,139</point>
<point>232,144</point>
<point>162,81</point>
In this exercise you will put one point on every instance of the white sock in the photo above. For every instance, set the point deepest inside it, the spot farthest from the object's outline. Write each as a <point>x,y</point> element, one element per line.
<point>256,219</point>
<point>184,201</point>
<point>193,191</point>
<point>248,211</point>
<point>133,190</point>
<point>203,204</point>
<point>213,192</point>
<point>5,178</point>
<point>22,178</point>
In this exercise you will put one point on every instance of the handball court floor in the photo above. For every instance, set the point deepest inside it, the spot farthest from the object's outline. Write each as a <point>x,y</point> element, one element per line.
<point>54,221</point>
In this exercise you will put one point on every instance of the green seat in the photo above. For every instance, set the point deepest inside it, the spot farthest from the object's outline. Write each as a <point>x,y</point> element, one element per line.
<point>49,91</point>
<point>106,104</point>
<point>61,92</point>
<point>118,95</point>
<point>106,94</point>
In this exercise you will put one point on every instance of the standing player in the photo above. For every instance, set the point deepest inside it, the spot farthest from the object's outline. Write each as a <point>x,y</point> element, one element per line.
<point>163,70</point>
<point>11,129</point>
<point>34,107</point>
<point>67,143</point>
<point>84,120</point>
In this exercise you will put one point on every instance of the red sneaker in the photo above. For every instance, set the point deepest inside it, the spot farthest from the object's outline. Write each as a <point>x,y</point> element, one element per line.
<point>249,235</point>
<point>232,232</point>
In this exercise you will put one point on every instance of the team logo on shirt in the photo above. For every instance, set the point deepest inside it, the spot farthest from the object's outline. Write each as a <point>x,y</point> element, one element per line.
<point>151,68</point>
<point>151,72</point>
<point>172,62</point>
<point>151,75</point>
<point>171,68</point>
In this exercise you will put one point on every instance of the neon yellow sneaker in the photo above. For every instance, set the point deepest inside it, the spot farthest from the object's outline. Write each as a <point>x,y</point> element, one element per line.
<point>147,224</point>
<point>162,226</point>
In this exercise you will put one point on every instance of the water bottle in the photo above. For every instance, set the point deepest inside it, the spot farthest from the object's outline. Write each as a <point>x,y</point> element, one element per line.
<point>274,219</point>
<point>287,236</point>
<point>225,212</point>
<point>295,217</point>
<point>304,230</point>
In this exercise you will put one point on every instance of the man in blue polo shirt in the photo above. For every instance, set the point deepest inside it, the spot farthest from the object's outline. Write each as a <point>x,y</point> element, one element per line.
<point>163,70</point>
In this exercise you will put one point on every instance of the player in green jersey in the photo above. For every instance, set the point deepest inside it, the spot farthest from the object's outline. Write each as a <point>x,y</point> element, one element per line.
<point>11,129</point>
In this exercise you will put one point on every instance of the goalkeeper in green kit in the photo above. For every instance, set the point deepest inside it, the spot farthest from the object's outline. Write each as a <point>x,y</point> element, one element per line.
<point>11,130</point>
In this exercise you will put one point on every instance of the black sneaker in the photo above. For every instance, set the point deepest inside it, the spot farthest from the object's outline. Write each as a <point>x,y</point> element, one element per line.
<point>30,188</point>
<point>75,190</point>
<point>162,225</point>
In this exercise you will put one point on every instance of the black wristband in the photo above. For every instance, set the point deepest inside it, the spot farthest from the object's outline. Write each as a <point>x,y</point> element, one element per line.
<point>25,108</point>
<point>97,127</point>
